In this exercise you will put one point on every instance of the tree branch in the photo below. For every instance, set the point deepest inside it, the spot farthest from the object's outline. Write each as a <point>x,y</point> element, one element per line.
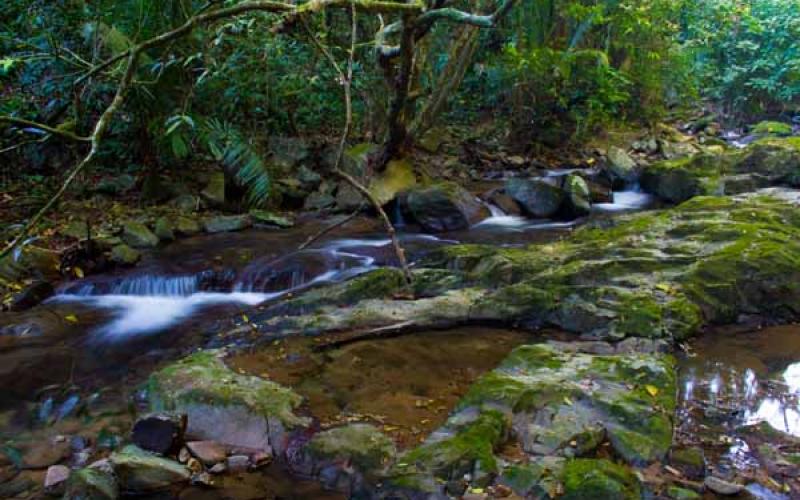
<point>44,128</point>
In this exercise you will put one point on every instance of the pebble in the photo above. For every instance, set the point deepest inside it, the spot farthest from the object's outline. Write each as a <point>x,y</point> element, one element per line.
<point>722,487</point>
<point>56,478</point>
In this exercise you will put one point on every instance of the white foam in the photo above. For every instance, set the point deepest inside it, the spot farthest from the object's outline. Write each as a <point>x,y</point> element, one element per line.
<point>626,200</point>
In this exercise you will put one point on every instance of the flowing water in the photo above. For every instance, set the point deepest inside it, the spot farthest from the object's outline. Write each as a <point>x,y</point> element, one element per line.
<point>96,340</point>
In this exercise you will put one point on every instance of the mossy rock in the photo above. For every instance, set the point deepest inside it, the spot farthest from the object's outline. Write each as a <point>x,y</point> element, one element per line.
<point>361,445</point>
<point>163,229</point>
<point>186,226</point>
<point>396,178</point>
<point>223,405</point>
<point>137,235</point>
<point>91,484</point>
<point>125,255</point>
<point>227,223</point>
<point>772,128</point>
<point>540,198</point>
<point>138,471</point>
<point>599,480</point>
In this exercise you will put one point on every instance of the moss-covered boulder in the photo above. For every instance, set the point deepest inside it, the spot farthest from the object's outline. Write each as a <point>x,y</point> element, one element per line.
<point>225,406</point>
<point>769,161</point>
<point>772,128</point>
<point>124,255</point>
<point>599,480</point>
<point>361,445</point>
<point>540,198</point>
<point>227,223</point>
<point>186,226</point>
<point>138,235</point>
<point>578,196</point>
<point>163,229</point>
<point>138,471</point>
<point>444,207</point>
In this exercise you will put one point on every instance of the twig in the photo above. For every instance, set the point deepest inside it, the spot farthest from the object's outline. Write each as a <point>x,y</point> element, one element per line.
<point>327,229</point>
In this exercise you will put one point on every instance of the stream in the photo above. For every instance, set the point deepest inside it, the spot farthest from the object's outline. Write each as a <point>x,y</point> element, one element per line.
<point>84,351</point>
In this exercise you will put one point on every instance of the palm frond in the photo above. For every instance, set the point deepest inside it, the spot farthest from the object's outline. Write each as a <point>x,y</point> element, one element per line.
<point>239,157</point>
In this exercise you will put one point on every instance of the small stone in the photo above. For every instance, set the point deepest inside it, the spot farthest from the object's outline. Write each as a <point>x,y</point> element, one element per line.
<point>194,465</point>
<point>722,487</point>
<point>56,479</point>
<point>238,463</point>
<point>141,472</point>
<point>160,433</point>
<point>220,468</point>
<point>184,455</point>
<point>208,452</point>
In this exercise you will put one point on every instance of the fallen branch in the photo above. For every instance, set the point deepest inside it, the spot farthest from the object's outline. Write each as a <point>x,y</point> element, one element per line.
<point>44,128</point>
<point>328,229</point>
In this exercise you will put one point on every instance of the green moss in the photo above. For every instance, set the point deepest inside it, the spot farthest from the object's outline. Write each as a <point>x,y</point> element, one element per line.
<point>364,446</point>
<point>772,128</point>
<point>599,480</point>
<point>203,378</point>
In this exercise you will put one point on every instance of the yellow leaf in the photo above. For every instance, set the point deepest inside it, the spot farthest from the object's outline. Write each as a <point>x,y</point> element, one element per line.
<point>651,390</point>
<point>245,318</point>
<point>568,401</point>
<point>78,272</point>
<point>71,318</point>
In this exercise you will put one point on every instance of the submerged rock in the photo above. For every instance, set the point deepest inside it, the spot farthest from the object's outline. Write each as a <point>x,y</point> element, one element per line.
<point>444,207</point>
<point>138,471</point>
<point>225,406</point>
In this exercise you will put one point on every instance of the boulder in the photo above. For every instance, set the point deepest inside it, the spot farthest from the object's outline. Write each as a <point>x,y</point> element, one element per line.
<point>138,471</point>
<point>209,453</point>
<point>348,198</point>
<point>539,198</point>
<point>214,192</point>
<point>444,207</point>
<point>125,255</point>
<point>227,223</point>
<point>163,229</point>
<point>160,433</point>
<point>137,235</point>
<point>578,201</point>
<point>621,167</point>
<point>504,202</point>
<point>224,406</point>
<point>91,484</point>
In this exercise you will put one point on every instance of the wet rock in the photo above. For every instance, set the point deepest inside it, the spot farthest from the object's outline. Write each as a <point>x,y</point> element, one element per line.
<point>360,445</point>
<point>444,207</point>
<point>125,255</point>
<point>578,196</point>
<point>539,478</point>
<point>539,198</point>
<point>91,484</point>
<point>682,494</point>
<point>32,295</point>
<point>227,223</point>
<point>506,203</point>
<point>690,461</point>
<point>160,433</point>
<point>722,487</point>
<point>56,479</point>
<point>214,192</point>
<point>138,471</point>
<point>163,229</point>
<point>225,406</point>
<point>186,226</point>
<point>208,452</point>
<point>621,166</point>
<point>138,235</point>
<point>271,219</point>
<point>585,478</point>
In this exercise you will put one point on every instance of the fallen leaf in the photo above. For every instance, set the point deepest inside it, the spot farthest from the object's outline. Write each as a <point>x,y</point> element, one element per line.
<point>71,318</point>
<point>651,390</point>
<point>78,272</point>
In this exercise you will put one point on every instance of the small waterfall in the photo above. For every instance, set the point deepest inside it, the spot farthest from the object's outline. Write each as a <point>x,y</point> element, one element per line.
<point>631,198</point>
<point>142,285</point>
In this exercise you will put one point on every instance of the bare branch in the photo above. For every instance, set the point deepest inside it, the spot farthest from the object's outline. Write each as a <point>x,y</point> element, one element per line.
<point>44,128</point>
